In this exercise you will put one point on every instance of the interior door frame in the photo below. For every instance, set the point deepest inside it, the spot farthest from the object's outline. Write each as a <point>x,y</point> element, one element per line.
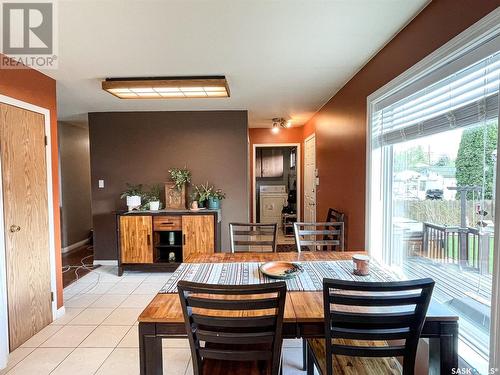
<point>298,163</point>
<point>313,135</point>
<point>4,316</point>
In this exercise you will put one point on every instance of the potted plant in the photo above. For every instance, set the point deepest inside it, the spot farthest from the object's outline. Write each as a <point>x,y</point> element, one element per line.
<point>175,190</point>
<point>214,199</point>
<point>154,197</point>
<point>180,177</point>
<point>133,193</point>
<point>201,193</point>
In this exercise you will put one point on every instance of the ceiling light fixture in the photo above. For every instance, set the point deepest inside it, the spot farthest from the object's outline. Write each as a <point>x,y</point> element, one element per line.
<point>280,122</point>
<point>167,87</point>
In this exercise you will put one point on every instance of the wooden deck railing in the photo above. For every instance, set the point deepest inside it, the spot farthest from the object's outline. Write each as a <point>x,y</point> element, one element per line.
<point>465,246</point>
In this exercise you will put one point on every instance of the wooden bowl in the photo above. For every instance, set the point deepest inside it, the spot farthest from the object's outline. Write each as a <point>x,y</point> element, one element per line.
<point>280,270</point>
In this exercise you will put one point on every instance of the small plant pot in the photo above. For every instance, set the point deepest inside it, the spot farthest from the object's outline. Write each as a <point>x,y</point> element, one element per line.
<point>213,203</point>
<point>154,206</point>
<point>133,201</point>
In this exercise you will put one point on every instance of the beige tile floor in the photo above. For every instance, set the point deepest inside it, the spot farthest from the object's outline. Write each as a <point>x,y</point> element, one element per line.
<point>98,334</point>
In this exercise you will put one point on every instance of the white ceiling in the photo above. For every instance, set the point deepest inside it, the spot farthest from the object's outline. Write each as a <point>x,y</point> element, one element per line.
<point>282,58</point>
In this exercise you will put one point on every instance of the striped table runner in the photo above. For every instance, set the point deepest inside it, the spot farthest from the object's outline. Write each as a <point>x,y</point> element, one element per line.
<point>311,279</point>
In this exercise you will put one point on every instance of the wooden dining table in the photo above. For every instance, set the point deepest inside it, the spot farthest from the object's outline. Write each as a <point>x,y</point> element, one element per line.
<point>303,317</point>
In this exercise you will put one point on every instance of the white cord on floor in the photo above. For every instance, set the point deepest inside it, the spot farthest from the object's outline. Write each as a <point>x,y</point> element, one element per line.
<point>88,267</point>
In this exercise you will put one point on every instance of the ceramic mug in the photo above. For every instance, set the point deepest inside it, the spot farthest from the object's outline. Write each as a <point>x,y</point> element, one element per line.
<point>361,264</point>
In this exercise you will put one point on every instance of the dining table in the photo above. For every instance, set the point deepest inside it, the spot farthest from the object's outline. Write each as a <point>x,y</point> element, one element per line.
<point>303,317</point>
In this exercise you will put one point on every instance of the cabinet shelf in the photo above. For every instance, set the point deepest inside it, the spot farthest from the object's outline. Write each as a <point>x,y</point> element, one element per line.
<point>164,246</point>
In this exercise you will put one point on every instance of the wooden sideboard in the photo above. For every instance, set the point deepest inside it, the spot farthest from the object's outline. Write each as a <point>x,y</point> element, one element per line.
<point>148,240</point>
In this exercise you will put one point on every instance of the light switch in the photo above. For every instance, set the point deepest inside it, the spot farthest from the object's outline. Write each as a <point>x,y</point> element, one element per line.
<point>101,184</point>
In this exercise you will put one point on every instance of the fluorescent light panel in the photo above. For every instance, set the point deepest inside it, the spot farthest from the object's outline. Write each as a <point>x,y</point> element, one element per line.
<point>167,88</point>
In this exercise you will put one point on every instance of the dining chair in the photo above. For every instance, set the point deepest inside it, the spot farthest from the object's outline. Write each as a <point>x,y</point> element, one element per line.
<point>234,329</point>
<point>370,319</point>
<point>334,215</point>
<point>249,236</point>
<point>319,236</point>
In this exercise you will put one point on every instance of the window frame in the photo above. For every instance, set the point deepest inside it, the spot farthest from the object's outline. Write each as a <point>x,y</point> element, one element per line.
<point>481,39</point>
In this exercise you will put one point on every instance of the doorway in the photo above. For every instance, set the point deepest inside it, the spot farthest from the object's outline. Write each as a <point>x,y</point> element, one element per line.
<point>276,192</point>
<point>310,179</point>
<point>28,298</point>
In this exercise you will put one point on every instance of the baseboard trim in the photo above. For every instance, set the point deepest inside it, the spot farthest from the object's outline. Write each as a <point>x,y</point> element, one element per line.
<point>60,312</point>
<point>75,245</point>
<point>98,262</point>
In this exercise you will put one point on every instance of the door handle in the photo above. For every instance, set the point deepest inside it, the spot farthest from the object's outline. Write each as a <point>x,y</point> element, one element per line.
<point>183,239</point>
<point>149,239</point>
<point>15,228</point>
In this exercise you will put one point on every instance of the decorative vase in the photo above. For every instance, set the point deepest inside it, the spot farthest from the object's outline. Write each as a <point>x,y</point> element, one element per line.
<point>213,203</point>
<point>175,198</point>
<point>133,201</point>
<point>154,206</point>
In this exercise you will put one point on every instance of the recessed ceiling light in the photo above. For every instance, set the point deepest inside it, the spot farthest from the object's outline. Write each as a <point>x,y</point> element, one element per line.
<point>167,87</point>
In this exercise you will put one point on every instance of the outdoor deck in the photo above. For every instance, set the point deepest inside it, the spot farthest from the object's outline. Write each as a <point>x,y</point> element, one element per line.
<point>466,291</point>
<point>451,281</point>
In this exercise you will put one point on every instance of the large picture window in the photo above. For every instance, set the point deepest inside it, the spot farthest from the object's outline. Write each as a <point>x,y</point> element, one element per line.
<point>432,182</point>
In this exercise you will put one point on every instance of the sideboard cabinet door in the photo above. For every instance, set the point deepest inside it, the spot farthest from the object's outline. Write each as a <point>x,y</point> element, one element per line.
<point>136,242</point>
<point>199,234</point>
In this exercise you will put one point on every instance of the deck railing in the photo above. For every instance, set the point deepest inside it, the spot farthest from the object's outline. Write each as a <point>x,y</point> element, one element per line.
<point>468,247</point>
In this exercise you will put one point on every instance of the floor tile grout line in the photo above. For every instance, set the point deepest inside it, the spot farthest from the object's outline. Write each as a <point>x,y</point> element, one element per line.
<point>44,348</point>
<point>73,350</point>
<point>112,350</point>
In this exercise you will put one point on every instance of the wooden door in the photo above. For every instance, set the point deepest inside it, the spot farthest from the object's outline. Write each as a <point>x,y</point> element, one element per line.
<point>310,179</point>
<point>26,222</point>
<point>198,235</point>
<point>136,243</point>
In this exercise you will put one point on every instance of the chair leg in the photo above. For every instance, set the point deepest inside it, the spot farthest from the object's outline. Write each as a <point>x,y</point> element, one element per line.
<point>310,361</point>
<point>304,354</point>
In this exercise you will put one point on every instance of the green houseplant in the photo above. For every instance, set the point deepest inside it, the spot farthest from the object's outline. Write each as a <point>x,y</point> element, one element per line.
<point>153,197</point>
<point>201,193</point>
<point>214,199</point>
<point>180,177</point>
<point>133,194</point>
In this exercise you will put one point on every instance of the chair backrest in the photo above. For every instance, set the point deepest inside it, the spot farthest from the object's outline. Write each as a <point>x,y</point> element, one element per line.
<point>334,215</point>
<point>234,322</point>
<point>324,236</point>
<point>375,311</point>
<point>253,237</point>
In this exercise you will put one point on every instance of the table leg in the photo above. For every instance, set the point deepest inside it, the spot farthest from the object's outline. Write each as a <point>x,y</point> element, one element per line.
<point>150,350</point>
<point>304,355</point>
<point>443,350</point>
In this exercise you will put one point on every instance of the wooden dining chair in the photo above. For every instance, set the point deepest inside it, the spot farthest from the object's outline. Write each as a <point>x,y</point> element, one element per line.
<point>319,236</point>
<point>253,237</point>
<point>334,215</point>
<point>362,319</point>
<point>234,329</point>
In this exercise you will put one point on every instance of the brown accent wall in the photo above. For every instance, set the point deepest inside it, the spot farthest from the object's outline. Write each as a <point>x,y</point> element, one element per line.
<point>31,86</point>
<point>74,154</point>
<point>340,126</point>
<point>140,147</point>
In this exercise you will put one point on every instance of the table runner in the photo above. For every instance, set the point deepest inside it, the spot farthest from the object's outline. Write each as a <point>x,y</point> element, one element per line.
<point>311,279</point>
